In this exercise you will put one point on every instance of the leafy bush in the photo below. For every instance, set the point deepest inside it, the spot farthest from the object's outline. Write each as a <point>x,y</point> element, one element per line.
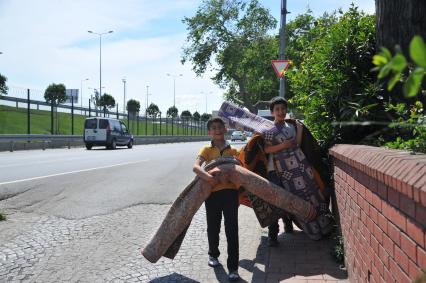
<point>332,82</point>
<point>410,119</point>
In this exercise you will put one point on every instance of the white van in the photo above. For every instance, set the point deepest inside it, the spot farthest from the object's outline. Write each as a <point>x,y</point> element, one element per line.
<point>106,132</point>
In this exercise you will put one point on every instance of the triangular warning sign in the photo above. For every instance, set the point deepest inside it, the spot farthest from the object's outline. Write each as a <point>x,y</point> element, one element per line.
<point>280,66</point>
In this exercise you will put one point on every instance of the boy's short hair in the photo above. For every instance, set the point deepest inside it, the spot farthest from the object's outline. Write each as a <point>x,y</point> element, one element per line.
<point>277,100</point>
<point>214,120</point>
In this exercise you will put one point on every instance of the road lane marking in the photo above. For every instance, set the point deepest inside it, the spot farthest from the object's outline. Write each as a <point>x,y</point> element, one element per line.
<point>72,172</point>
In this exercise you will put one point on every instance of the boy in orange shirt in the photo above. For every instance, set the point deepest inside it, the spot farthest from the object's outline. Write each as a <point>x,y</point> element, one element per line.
<point>223,199</point>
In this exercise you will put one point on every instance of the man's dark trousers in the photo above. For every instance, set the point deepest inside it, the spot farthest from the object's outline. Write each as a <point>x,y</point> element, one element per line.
<point>225,201</point>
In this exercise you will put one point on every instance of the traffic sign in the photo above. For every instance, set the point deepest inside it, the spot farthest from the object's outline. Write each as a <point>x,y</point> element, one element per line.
<point>280,66</point>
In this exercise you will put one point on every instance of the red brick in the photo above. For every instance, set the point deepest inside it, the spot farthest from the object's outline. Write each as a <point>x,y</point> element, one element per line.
<point>378,264</point>
<point>382,190</point>
<point>369,223</point>
<point>393,197</point>
<point>378,233</point>
<point>368,196</point>
<point>383,222</point>
<point>394,233</point>
<point>408,246</point>
<point>401,258</point>
<point>421,214</point>
<point>388,245</point>
<point>415,233</point>
<point>397,272</point>
<point>421,257</point>
<point>374,244</point>
<point>413,270</point>
<point>398,219</point>
<point>384,256</point>
<point>374,214</point>
<point>360,188</point>
<point>377,202</point>
<point>388,277</point>
<point>408,206</point>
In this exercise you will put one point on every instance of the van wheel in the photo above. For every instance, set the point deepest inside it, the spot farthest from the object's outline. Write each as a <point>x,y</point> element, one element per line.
<point>88,146</point>
<point>130,144</point>
<point>113,144</point>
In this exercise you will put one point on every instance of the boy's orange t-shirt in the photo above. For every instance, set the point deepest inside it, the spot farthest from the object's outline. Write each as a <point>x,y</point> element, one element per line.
<point>210,152</point>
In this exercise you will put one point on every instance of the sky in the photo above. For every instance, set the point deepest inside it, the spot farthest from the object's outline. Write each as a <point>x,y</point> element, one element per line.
<point>47,41</point>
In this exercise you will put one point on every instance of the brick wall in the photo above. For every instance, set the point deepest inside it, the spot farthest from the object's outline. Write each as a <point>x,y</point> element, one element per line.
<point>381,198</point>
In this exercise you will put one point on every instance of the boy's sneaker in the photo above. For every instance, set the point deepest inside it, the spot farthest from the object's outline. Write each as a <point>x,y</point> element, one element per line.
<point>213,262</point>
<point>233,276</point>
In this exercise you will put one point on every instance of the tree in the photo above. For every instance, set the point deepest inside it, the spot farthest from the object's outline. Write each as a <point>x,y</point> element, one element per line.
<point>398,21</point>
<point>172,112</point>
<point>106,101</point>
<point>3,86</point>
<point>55,94</point>
<point>186,114</point>
<point>152,110</point>
<point>333,83</point>
<point>235,34</point>
<point>205,117</point>
<point>196,115</point>
<point>133,106</point>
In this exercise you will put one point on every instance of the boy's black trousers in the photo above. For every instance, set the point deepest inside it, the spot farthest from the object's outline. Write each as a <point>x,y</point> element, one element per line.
<point>225,201</point>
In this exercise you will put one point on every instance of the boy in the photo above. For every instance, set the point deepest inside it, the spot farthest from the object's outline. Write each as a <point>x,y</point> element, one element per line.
<point>290,138</point>
<point>223,199</point>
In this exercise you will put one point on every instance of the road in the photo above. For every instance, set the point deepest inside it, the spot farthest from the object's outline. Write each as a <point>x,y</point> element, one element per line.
<point>78,183</point>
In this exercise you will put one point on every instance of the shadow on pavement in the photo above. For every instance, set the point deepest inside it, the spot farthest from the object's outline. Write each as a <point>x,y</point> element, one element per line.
<point>173,278</point>
<point>297,257</point>
<point>222,276</point>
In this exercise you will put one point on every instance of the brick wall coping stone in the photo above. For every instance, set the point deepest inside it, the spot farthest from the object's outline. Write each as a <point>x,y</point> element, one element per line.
<point>399,169</point>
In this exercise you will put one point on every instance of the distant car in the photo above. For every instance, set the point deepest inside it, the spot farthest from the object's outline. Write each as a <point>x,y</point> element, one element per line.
<point>248,134</point>
<point>106,132</point>
<point>238,135</point>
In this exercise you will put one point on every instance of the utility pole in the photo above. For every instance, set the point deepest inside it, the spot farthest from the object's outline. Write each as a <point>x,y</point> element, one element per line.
<point>124,99</point>
<point>284,13</point>
<point>146,108</point>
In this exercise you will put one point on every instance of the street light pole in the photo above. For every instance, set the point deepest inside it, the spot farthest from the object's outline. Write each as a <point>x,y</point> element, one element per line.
<point>284,13</point>
<point>174,86</point>
<point>100,56</point>
<point>146,108</point>
<point>124,100</point>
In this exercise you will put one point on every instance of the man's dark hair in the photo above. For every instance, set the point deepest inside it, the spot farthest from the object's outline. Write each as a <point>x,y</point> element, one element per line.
<point>277,100</point>
<point>214,120</point>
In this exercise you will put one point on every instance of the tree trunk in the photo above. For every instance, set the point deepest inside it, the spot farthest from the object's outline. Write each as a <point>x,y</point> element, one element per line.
<point>398,21</point>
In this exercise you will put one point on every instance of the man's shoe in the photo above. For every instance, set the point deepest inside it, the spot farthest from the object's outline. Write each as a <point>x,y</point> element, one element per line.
<point>213,262</point>
<point>233,276</point>
<point>273,242</point>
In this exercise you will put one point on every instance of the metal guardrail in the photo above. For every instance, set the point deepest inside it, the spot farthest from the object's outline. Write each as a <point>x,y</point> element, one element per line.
<point>9,142</point>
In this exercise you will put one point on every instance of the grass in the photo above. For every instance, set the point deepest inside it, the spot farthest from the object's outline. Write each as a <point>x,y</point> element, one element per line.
<point>14,121</point>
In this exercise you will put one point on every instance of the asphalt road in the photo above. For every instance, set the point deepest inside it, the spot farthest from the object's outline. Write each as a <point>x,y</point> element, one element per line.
<point>77,183</point>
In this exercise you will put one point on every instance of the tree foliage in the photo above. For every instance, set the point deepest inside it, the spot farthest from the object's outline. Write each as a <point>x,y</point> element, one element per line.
<point>205,117</point>
<point>410,121</point>
<point>186,114</point>
<point>235,34</point>
<point>332,83</point>
<point>3,86</point>
<point>153,110</point>
<point>133,106</point>
<point>106,101</point>
<point>196,115</point>
<point>172,112</point>
<point>55,94</point>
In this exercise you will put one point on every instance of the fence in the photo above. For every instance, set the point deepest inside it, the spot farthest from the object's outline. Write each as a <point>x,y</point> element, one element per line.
<point>23,111</point>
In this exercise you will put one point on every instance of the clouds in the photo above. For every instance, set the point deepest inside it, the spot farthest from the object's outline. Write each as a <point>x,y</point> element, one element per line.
<point>46,41</point>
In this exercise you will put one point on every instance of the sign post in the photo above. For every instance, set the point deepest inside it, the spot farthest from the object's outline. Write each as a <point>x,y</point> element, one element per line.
<point>280,66</point>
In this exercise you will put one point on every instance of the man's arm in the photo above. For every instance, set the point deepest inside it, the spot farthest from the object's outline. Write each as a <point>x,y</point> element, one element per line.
<point>269,148</point>
<point>201,172</point>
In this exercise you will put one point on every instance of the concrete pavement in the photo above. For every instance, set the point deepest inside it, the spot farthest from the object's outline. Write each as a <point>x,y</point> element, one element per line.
<point>106,248</point>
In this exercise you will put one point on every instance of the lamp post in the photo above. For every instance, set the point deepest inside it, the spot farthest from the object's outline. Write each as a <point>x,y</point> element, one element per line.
<point>124,99</point>
<point>81,92</point>
<point>147,94</point>
<point>100,56</point>
<point>174,86</point>
<point>210,92</point>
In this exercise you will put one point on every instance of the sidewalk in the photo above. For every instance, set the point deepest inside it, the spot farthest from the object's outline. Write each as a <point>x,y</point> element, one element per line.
<point>106,248</point>
<point>297,259</point>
